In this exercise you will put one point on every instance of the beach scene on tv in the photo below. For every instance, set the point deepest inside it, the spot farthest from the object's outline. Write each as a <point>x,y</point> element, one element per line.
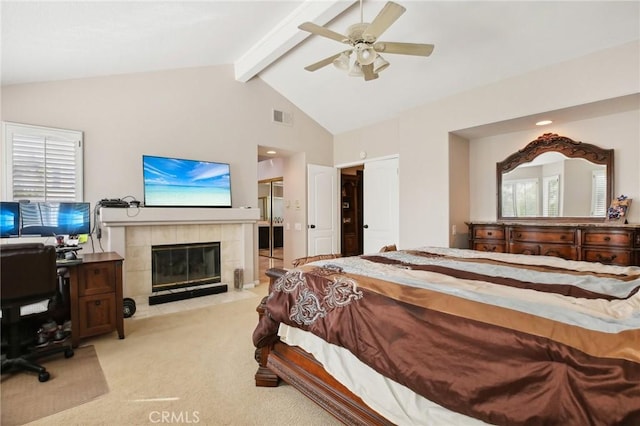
<point>186,183</point>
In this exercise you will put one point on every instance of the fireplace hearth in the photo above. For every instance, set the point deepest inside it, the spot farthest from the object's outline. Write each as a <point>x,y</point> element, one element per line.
<point>183,271</point>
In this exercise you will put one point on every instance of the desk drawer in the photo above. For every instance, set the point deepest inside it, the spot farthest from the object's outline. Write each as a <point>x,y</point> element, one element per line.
<point>96,278</point>
<point>97,314</point>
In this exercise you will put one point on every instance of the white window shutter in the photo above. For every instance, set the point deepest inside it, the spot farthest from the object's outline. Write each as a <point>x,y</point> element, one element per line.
<point>599,193</point>
<point>45,163</point>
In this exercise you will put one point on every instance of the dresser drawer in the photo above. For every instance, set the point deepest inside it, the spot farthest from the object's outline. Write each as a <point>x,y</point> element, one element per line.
<point>488,232</point>
<point>607,238</point>
<point>489,246</point>
<point>556,250</point>
<point>559,235</point>
<point>608,257</point>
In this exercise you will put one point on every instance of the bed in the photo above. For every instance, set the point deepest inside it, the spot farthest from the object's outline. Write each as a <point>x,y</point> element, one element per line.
<point>446,336</point>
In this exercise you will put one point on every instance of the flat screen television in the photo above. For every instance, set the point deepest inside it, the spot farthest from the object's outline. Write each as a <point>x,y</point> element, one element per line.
<point>48,219</point>
<point>9,219</point>
<point>176,182</point>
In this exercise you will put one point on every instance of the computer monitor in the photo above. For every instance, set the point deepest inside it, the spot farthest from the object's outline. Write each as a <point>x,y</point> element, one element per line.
<point>9,219</point>
<point>49,219</point>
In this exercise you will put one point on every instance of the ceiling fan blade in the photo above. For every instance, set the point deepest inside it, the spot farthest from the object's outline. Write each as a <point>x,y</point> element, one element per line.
<point>322,31</point>
<point>322,63</point>
<point>387,16</point>
<point>367,70</point>
<point>416,49</point>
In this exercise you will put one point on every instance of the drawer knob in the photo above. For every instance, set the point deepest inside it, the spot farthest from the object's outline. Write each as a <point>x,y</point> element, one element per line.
<point>97,303</point>
<point>489,233</point>
<point>562,237</point>
<point>607,238</point>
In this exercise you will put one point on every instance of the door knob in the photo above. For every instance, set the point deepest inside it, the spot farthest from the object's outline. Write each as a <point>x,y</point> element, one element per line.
<point>312,226</point>
<point>366,226</point>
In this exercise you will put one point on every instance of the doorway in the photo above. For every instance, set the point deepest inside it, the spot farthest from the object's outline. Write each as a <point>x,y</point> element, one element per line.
<point>373,188</point>
<point>351,210</point>
<point>271,225</point>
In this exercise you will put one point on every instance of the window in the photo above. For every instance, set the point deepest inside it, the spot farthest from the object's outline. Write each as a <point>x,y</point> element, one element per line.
<point>598,193</point>
<point>520,198</point>
<point>41,163</point>
<point>551,196</point>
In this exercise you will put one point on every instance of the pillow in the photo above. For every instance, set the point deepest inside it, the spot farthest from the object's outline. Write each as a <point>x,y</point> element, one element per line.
<point>391,247</point>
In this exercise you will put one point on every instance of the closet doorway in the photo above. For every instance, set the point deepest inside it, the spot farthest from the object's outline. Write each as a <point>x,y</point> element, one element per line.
<point>270,227</point>
<point>351,197</point>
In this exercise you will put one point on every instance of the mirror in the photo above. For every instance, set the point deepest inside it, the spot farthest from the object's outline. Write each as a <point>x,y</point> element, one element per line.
<point>555,178</point>
<point>270,226</point>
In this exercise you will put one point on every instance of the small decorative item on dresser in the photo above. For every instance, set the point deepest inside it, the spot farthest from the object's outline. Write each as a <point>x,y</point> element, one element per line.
<point>618,210</point>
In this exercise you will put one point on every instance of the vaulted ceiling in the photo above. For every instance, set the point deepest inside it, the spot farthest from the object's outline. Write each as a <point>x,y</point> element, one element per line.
<point>476,43</point>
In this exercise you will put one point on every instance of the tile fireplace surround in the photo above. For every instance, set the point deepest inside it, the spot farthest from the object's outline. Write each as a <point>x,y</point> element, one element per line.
<point>132,231</point>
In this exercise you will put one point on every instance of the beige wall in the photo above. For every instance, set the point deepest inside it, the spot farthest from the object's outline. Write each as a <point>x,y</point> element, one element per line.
<point>195,113</point>
<point>421,137</point>
<point>460,196</point>
<point>205,113</point>
<point>619,131</point>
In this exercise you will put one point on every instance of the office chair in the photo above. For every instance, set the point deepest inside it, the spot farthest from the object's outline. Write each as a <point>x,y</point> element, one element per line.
<point>28,275</point>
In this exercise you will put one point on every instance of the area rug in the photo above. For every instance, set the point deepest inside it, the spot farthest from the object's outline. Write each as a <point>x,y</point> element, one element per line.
<point>73,381</point>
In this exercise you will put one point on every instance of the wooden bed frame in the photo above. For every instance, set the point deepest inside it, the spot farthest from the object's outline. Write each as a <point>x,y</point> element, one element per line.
<point>279,361</point>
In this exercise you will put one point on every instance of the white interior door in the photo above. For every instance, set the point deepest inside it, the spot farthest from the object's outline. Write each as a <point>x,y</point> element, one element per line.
<point>381,204</point>
<point>322,204</point>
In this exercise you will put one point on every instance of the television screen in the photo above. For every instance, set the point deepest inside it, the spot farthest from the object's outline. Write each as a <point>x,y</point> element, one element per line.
<point>49,219</point>
<point>175,182</point>
<point>9,219</point>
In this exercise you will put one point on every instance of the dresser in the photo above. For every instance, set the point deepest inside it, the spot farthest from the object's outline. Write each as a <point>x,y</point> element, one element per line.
<point>592,242</point>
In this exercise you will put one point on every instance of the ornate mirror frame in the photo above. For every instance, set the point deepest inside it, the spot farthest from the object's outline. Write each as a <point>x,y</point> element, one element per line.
<point>551,142</point>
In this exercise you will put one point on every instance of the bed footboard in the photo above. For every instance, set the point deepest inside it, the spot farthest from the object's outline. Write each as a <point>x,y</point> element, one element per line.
<point>277,360</point>
<point>264,376</point>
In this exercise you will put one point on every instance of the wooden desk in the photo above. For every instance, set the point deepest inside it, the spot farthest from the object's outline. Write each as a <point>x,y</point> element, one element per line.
<point>95,296</point>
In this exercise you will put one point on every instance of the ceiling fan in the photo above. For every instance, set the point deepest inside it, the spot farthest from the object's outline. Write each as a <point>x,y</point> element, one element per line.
<point>363,39</point>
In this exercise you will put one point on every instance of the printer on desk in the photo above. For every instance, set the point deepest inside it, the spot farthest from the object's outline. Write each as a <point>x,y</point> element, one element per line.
<point>67,254</point>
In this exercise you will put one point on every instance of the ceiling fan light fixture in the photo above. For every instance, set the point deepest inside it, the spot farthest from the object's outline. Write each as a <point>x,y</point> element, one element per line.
<point>356,70</point>
<point>362,38</point>
<point>380,64</point>
<point>366,54</point>
<point>342,61</point>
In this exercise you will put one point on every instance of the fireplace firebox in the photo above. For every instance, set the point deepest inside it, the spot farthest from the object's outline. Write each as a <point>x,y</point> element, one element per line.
<point>183,271</point>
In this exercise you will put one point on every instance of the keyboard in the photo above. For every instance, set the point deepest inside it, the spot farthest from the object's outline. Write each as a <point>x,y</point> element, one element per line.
<point>67,262</point>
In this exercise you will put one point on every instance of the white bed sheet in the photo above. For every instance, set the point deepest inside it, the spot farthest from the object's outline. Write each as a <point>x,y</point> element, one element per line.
<point>392,400</point>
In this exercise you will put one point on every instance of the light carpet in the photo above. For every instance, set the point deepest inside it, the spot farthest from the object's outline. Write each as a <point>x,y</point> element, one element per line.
<point>74,381</point>
<point>191,367</point>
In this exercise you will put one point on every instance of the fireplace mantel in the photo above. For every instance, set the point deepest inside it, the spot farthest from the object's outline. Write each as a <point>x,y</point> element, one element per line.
<point>114,216</point>
<point>237,230</point>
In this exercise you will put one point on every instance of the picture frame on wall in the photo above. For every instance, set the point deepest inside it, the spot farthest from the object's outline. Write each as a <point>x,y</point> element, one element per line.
<point>618,210</point>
